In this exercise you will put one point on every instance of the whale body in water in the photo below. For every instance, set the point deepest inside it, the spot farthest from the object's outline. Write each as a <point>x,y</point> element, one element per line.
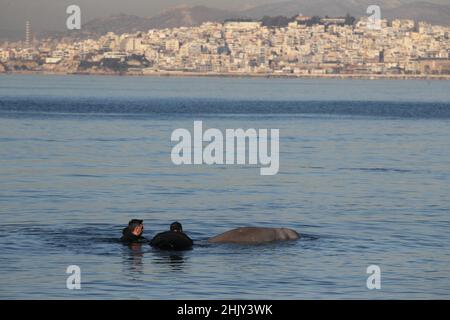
<point>255,235</point>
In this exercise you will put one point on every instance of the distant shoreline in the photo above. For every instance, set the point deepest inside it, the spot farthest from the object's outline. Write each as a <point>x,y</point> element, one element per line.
<point>180,74</point>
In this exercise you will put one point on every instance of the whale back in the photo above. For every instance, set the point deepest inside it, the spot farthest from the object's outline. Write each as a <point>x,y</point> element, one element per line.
<point>255,235</point>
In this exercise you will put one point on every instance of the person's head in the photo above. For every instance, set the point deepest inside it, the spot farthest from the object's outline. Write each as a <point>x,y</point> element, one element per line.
<point>176,227</point>
<point>136,226</point>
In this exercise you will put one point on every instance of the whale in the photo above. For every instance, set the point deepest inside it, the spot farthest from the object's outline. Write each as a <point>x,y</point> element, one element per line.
<point>255,235</point>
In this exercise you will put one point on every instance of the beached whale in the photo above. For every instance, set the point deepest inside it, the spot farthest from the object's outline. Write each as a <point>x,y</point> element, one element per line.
<point>255,235</point>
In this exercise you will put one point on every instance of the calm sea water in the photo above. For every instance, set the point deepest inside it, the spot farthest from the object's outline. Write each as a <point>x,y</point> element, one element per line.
<point>364,176</point>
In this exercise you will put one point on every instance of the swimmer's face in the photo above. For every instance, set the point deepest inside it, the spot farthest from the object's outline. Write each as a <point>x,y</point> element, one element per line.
<point>138,230</point>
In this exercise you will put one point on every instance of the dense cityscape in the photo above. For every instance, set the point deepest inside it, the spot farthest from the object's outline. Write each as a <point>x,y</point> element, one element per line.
<point>307,46</point>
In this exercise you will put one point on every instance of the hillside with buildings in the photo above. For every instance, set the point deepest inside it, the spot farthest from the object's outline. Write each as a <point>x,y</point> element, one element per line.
<point>306,46</point>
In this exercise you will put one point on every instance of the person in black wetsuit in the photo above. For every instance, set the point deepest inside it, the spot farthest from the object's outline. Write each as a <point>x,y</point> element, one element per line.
<point>133,233</point>
<point>175,239</point>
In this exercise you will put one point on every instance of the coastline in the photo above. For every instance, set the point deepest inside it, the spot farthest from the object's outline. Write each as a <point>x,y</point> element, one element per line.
<point>351,76</point>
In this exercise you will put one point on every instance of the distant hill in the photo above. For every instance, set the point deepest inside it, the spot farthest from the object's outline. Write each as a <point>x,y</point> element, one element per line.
<point>121,23</point>
<point>429,12</point>
<point>319,7</point>
<point>421,10</point>
<point>192,16</point>
<point>180,16</point>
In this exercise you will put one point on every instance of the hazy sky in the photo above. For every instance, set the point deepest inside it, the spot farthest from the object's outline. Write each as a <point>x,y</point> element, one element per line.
<point>51,15</point>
